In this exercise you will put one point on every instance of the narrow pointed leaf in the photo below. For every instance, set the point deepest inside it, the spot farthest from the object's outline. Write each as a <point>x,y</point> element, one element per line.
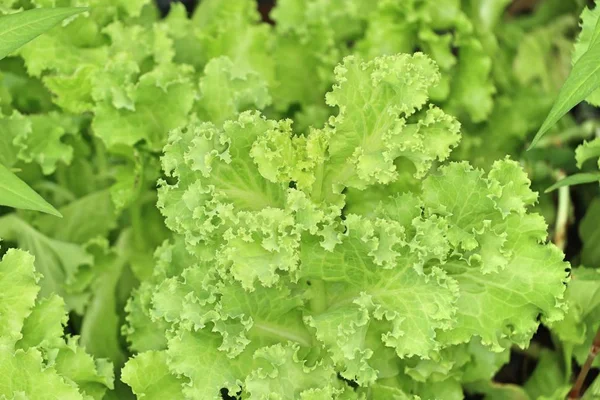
<point>582,81</point>
<point>17,194</point>
<point>577,179</point>
<point>20,28</point>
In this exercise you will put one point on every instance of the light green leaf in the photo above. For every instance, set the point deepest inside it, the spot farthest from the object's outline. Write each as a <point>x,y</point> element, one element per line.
<point>577,330</point>
<point>59,262</point>
<point>44,326</point>
<point>149,377</point>
<point>151,120</point>
<point>18,29</point>
<point>583,80</point>
<point>223,94</point>
<point>45,142</point>
<point>577,179</point>
<point>18,291</point>
<point>142,332</point>
<point>24,373</point>
<point>16,193</point>
<point>526,274</point>
<point>587,37</point>
<point>196,356</point>
<point>586,151</point>
<point>282,373</point>
<point>391,287</point>
<point>11,129</point>
<point>35,360</point>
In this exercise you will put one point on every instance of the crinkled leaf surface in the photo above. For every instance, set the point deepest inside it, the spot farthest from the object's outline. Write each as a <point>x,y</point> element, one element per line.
<point>35,360</point>
<point>284,263</point>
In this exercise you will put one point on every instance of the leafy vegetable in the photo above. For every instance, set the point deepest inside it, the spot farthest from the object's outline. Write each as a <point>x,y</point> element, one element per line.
<point>330,201</point>
<point>284,289</point>
<point>36,361</point>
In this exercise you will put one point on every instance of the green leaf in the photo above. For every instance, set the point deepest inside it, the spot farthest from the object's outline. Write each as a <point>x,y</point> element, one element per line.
<point>100,325</point>
<point>577,330</point>
<point>587,37</point>
<point>20,28</point>
<point>582,81</point>
<point>61,263</point>
<point>589,232</point>
<point>35,360</point>
<point>16,193</point>
<point>593,392</point>
<point>577,179</point>
<point>84,219</point>
<point>15,31</point>
<point>548,380</point>
<point>156,381</point>
<point>587,151</point>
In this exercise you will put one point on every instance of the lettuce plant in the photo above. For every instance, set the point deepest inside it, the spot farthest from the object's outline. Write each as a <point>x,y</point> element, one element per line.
<point>317,235</point>
<point>306,265</point>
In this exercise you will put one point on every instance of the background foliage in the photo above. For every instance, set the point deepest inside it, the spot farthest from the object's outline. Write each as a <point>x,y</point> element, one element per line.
<point>98,110</point>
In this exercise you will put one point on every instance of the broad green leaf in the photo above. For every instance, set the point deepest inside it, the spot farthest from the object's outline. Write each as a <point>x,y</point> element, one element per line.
<point>155,381</point>
<point>583,80</point>
<point>20,28</point>
<point>16,193</point>
<point>577,179</point>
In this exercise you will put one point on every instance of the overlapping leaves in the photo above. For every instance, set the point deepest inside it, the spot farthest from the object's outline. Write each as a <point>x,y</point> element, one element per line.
<point>303,251</point>
<point>35,360</point>
<point>278,269</point>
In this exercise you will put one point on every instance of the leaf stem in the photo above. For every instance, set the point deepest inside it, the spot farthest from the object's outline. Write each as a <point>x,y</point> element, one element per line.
<point>575,392</point>
<point>562,217</point>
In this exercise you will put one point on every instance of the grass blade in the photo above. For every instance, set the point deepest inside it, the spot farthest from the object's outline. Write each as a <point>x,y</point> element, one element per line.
<point>577,179</point>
